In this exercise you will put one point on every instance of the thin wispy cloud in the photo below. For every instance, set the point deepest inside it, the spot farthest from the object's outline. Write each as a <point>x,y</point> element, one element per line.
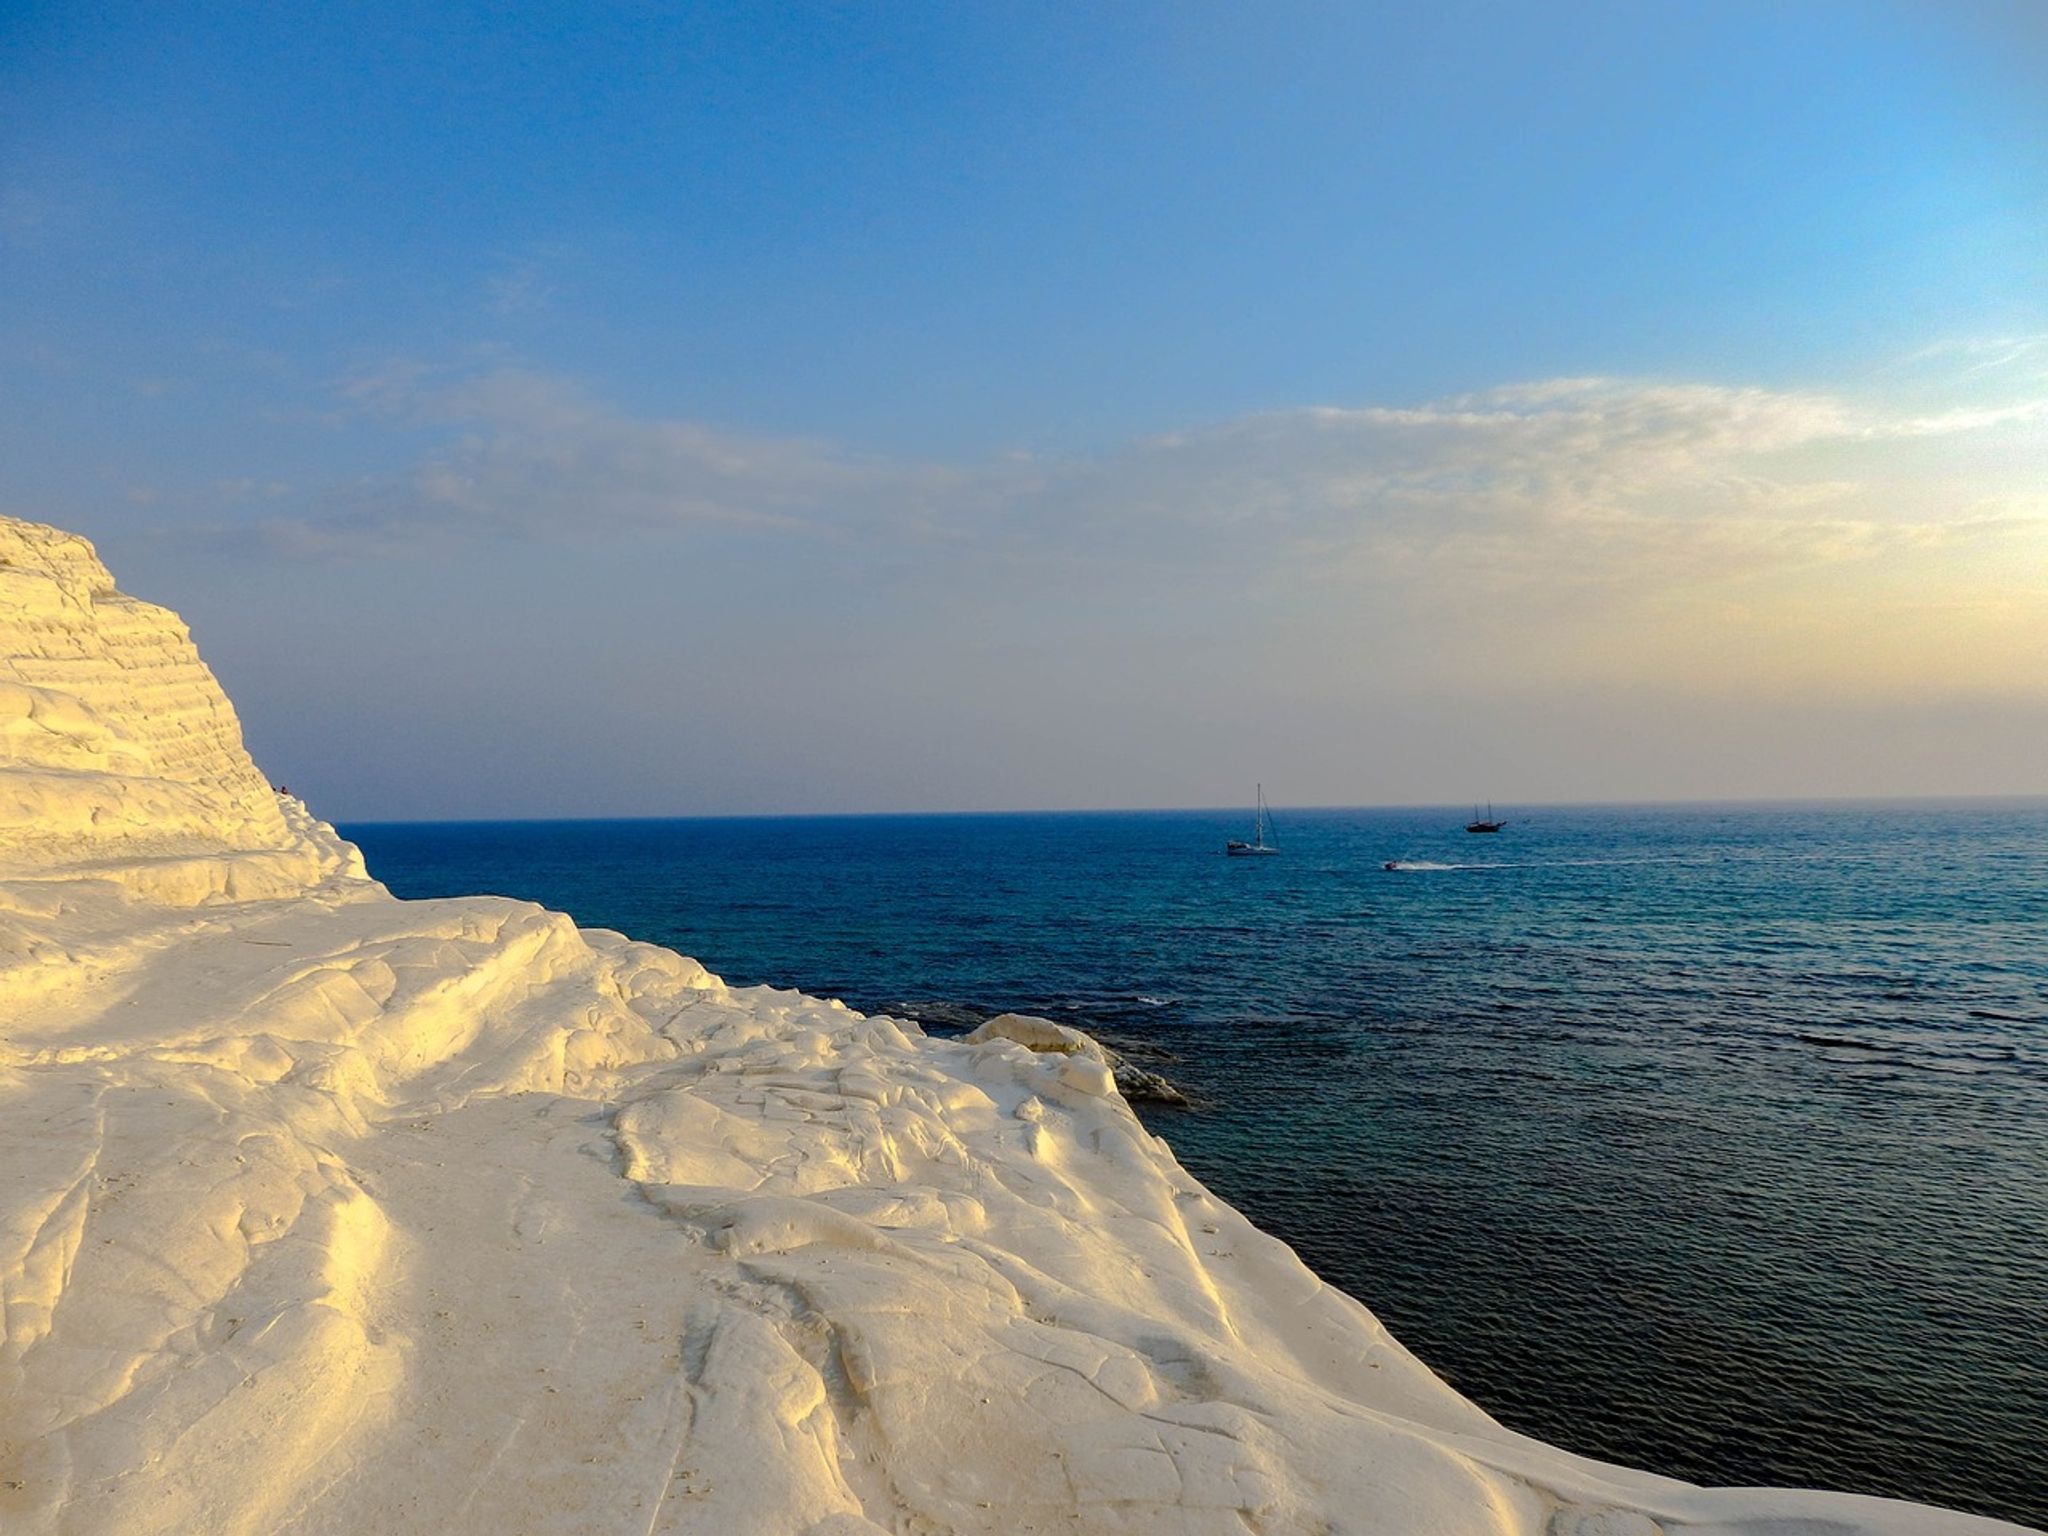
<point>518,287</point>
<point>1565,531</point>
<point>1969,357</point>
<point>525,455</point>
<point>1593,484</point>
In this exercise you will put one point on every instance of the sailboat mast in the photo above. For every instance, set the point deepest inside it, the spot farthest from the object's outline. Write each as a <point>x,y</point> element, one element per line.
<point>1259,820</point>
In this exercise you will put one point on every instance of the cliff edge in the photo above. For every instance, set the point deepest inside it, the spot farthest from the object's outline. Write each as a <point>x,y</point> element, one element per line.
<point>329,1212</point>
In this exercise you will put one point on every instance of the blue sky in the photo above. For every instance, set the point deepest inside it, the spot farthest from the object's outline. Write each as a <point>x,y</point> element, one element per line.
<point>543,409</point>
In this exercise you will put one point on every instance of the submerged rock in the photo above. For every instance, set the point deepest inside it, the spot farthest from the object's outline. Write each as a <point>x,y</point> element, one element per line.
<point>1143,1087</point>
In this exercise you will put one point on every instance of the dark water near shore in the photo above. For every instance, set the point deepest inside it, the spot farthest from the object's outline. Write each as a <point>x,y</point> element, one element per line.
<point>1711,1140</point>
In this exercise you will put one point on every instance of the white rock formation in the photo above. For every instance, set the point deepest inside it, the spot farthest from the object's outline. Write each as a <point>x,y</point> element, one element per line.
<point>328,1212</point>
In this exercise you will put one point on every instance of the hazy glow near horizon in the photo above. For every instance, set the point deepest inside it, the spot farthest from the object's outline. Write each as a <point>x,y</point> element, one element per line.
<point>577,410</point>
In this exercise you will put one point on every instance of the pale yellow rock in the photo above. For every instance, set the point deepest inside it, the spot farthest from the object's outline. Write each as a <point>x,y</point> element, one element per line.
<point>326,1212</point>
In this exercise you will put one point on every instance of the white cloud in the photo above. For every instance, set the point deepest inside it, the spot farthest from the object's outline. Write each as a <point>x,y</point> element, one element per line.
<point>1968,419</point>
<point>530,456</point>
<point>1557,508</point>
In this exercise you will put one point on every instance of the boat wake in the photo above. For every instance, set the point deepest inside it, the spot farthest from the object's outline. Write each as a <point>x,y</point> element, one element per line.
<point>1407,866</point>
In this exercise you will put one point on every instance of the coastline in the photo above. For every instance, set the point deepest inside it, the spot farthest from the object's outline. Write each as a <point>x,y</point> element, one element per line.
<point>352,1213</point>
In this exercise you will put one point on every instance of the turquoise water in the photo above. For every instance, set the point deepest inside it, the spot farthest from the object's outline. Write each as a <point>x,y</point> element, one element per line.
<point>1713,1140</point>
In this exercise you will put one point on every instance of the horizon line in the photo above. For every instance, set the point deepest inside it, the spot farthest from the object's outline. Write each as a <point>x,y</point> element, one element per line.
<point>1759,801</point>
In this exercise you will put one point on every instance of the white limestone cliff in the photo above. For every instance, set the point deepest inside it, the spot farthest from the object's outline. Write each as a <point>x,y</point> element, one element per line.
<point>329,1212</point>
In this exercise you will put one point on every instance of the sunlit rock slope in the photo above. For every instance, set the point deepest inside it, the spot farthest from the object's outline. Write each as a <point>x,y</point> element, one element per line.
<point>326,1212</point>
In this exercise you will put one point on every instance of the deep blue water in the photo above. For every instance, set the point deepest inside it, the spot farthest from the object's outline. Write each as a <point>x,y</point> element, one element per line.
<point>1712,1140</point>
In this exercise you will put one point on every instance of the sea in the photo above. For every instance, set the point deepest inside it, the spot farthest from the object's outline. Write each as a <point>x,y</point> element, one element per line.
<point>1706,1139</point>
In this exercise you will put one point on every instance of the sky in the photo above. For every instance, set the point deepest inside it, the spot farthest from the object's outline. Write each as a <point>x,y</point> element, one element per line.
<point>634,409</point>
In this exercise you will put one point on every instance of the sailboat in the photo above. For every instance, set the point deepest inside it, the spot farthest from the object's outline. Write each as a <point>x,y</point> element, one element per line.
<point>1484,823</point>
<point>1239,849</point>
